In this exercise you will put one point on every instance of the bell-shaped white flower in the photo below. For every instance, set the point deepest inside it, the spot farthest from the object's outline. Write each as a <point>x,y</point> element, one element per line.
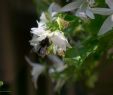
<point>59,40</point>
<point>37,69</point>
<point>82,8</point>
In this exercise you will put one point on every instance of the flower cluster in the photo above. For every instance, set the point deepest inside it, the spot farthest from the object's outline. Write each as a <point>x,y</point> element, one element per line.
<point>43,38</point>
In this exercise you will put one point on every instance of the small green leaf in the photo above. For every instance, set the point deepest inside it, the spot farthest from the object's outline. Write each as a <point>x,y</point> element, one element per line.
<point>1,83</point>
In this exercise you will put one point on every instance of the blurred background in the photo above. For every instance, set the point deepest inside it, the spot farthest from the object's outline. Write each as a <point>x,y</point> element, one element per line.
<point>16,19</point>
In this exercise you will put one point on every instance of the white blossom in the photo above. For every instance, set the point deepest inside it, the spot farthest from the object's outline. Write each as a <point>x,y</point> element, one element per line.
<point>82,8</point>
<point>37,69</point>
<point>59,40</point>
<point>53,9</point>
<point>58,64</point>
<point>41,32</point>
<point>56,37</point>
<point>108,23</point>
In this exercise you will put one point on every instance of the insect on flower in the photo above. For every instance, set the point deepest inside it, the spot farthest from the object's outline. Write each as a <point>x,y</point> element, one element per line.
<point>42,51</point>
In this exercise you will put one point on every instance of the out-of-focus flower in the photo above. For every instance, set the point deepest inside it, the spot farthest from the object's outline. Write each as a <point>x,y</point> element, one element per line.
<point>37,69</point>
<point>58,64</point>
<point>82,8</point>
<point>53,9</point>
<point>108,23</point>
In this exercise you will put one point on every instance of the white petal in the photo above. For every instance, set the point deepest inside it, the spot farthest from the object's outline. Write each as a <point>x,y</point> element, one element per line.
<point>71,6</point>
<point>43,18</point>
<point>59,40</point>
<point>110,3</point>
<point>90,14</point>
<point>102,11</point>
<point>41,24</point>
<point>54,8</point>
<point>42,37</point>
<point>107,25</point>
<point>36,70</point>
<point>81,13</point>
<point>38,31</point>
<point>38,39</point>
<point>58,64</point>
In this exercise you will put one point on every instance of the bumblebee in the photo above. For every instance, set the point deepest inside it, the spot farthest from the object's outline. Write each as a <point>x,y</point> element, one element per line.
<point>42,50</point>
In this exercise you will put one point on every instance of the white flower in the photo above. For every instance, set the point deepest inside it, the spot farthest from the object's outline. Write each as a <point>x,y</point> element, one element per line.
<point>82,8</point>
<point>56,37</point>
<point>50,15</point>
<point>41,32</point>
<point>59,40</point>
<point>43,19</point>
<point>53,9</point>
<point>58,64</point>
<point>37,69</point>
<point>108,23</point>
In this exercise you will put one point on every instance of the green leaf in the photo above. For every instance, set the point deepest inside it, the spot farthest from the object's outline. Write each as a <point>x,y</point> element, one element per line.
<point>1,83</point>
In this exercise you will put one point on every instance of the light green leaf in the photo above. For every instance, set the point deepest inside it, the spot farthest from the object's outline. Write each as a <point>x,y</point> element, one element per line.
<point>1,83</point>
